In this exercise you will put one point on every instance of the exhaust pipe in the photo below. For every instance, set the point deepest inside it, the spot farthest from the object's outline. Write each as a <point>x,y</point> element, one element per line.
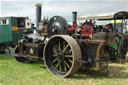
<point>74,17</point>
<point>38,14</point>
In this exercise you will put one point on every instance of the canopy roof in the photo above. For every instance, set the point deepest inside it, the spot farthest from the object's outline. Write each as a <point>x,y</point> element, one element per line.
<point>106,16</point>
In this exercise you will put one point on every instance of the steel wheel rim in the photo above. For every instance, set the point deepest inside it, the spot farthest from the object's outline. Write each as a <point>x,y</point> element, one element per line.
<point>69,63</point>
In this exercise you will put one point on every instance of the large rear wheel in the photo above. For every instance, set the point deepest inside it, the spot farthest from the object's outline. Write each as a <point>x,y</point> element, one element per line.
<point>62,55</point>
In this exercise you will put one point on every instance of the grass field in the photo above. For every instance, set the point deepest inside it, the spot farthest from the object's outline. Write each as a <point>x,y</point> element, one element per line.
<point>16,73</point>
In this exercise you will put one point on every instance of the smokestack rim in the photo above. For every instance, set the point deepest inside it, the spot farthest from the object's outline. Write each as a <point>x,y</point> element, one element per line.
<point>38,5</point>
<point>74,12</point>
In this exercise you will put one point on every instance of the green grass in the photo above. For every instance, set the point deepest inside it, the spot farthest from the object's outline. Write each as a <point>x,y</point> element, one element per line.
<point>16,73</point>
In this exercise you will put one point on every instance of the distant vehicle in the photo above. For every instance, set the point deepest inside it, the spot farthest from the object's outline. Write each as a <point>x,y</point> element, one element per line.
<point>11,30</point>
<point>118,25</point>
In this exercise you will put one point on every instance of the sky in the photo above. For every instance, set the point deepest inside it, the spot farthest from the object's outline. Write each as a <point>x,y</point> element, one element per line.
<point>60,7</point>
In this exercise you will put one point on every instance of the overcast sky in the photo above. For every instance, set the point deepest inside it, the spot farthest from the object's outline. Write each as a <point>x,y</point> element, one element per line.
<point>60,7</point>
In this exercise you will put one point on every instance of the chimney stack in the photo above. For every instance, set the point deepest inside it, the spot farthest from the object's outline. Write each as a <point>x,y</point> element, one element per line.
<point>74,17</point>
<point>38,14</point>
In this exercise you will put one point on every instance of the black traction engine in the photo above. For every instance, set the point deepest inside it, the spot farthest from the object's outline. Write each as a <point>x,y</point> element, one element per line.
<point>65,48</point>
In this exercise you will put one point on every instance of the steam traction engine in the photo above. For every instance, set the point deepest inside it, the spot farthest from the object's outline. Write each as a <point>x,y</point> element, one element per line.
<point>65,48</point>
<point>119,49</point>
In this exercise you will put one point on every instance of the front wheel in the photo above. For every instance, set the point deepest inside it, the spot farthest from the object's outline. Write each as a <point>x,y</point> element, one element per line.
<point>20,57</point>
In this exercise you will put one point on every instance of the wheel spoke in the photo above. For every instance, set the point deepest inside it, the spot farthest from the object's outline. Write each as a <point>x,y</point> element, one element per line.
<point>59,46</point>
<point>70,60</point>
<point>66,64</point>
<point>65,48</point>
<point>54,60</point>
<point>56,46</point>
<point>55,50</point>
<point>68,56</point>
<point>54,55</point>
<point>60,68</point>
<point>57,65</point>
<point>65,68</point>
<point>63,44</point>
